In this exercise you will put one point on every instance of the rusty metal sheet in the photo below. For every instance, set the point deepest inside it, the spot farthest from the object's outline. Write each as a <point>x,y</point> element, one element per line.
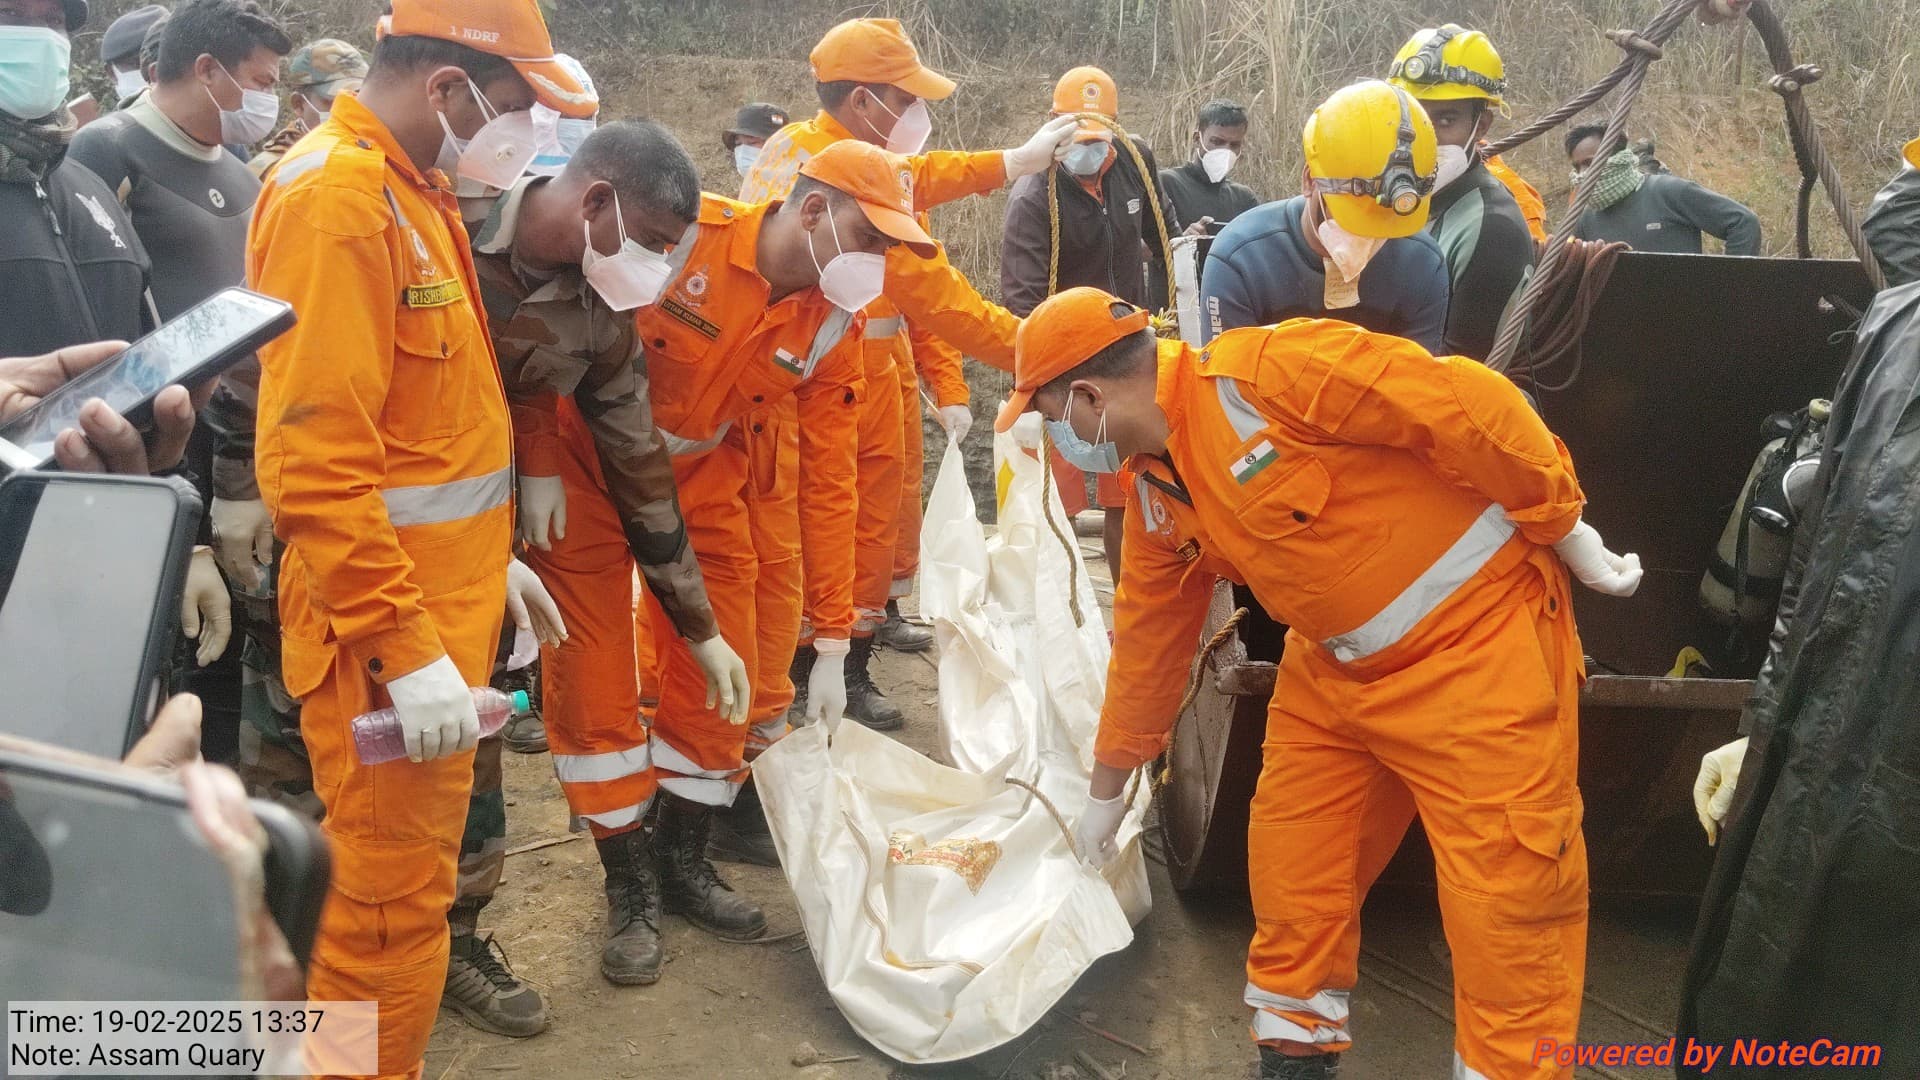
<point>1684,358</point>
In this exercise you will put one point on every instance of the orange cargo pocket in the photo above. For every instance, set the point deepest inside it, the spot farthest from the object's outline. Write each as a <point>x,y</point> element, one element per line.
<point>387,882</point>
<point>1317,552</point>
<point>304,664</point>
<point>1544,859</point>
<point>433,393</point>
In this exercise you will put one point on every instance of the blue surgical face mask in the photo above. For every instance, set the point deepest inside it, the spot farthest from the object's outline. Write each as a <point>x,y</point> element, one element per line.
<point>34,78</point>
<point>1094,457</point>
<point>1085,159</point>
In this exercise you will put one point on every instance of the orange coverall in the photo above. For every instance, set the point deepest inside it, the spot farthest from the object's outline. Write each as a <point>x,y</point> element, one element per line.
<point>385,455</point>
<point>716,351</point>
<point>900,340</point>
<point>1532,206</point>
<point>1397,513</point>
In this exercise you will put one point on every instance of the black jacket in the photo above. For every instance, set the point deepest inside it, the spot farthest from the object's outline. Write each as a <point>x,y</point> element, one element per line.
<point>1109,245</point>
<point>1810,926</point>
<point>71,268</point>
<point>1193,197</point>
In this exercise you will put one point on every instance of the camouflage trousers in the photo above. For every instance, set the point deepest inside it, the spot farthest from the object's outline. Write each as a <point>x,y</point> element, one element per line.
<point>273,763</point>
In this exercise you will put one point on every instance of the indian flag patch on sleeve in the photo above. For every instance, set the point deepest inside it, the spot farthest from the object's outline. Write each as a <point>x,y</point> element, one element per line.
<point>788,361</point>
<point>1248,465</point>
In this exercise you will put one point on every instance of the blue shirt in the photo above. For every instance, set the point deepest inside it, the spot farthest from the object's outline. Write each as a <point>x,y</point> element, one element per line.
<point>1262,272</point>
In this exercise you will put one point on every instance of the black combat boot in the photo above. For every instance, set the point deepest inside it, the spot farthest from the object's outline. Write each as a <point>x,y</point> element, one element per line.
<point>689,884</point>
<point>740,832</point>
<point>865,703</point>
<point>800,671</point>
<point>1275,1065</point>
<point>631,956</point>
<point>900,635</point>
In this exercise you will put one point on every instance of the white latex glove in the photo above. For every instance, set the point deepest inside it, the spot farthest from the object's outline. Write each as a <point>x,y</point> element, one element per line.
<point>242,540</point>
<point>726,678</point>
<point>1037,153</point>
<point>436,711</point>
<point>957,419</point>
<point>827,686</point>
<point>532,606</point>
<point>1597,568</point>
<point>1713,789</point>
<point>1094,833</point>
<point>543,511</point>
<point>206,611</point>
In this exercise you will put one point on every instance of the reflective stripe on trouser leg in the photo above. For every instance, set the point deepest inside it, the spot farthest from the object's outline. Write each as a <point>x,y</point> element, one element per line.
<point>878,476</point>
<point>592,694</point>
<point>1485,733</point>
<point>393,833</point>
<point>697,754</point>
<point>483,846</point>
<point>779,587</point>
<point>913,467</point>
<point>1324,820</point>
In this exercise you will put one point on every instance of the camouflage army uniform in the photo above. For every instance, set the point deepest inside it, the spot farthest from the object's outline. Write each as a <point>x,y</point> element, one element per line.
<point>323,69</point>
<point>553,335</point>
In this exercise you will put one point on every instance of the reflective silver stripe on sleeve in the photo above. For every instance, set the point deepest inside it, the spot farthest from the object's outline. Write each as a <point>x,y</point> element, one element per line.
<point>1488,533</point>
<point>832,330</point>
<point>290,169</point>
<point>431,504</point>
<point>884,328</point>
<point>679,447</point>
<point>399,217</point>
<point>1246,420</point>
<point>1140,489</point>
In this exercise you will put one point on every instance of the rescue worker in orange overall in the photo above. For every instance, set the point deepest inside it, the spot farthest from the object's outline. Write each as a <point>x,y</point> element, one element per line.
<point>1402,513</point>
<point>760,305</point>
<point>873,87</point>
<point>385,456</point>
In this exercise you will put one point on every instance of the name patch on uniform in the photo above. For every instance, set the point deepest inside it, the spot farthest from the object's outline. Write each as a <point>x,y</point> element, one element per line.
<point>687,315</point>
<point>787,362</point>
<point>438,294</point>
<point>1249,466</point>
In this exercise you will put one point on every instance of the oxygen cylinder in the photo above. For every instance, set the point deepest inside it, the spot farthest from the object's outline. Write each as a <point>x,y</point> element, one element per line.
<point>1764,518</point>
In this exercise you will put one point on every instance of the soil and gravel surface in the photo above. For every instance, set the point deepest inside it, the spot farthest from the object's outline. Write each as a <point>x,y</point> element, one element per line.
<point>724,1010</point>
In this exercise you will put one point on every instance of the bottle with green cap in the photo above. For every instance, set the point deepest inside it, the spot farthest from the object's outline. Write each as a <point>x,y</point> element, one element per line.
<point>378,738</point>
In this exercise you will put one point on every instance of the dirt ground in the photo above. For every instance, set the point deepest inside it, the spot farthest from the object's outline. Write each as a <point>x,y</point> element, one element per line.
<point>725,1010</point>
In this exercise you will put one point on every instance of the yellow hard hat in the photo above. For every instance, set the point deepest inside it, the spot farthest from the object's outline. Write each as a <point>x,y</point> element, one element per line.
<point>1448,63</point>
<point>1371,153</point>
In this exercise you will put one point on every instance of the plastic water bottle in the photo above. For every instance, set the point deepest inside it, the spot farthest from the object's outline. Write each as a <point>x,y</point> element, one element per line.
<point>378,738</point>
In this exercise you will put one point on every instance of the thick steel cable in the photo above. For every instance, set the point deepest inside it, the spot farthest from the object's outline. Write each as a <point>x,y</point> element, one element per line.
<point>1658,31</point>
<point>1642,50</point>
<point>1788,81</point>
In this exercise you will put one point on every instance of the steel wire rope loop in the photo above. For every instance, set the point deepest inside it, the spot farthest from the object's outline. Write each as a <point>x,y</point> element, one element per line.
<point>1214,644</point>
<point>1642,49</point>
<point>1789,79</point>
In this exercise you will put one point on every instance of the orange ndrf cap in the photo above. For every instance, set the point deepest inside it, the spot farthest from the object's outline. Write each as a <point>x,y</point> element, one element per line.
<point>1062,333</point>
<point>509,29</point>
<point>876,51</point>
<point>1086,89</point>
<point>882,183</point>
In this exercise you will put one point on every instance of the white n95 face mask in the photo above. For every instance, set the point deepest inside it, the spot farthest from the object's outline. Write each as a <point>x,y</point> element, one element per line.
<point>851,279</point>
<point>253,120</point>
<point>744,157</point>
<point>1451,165</point>
<point>500,152</point>
<point>910,128</point>
<point>128,83</point>
<point>1218,163</point>
<point>629,278</point>
<point>34,72</point>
